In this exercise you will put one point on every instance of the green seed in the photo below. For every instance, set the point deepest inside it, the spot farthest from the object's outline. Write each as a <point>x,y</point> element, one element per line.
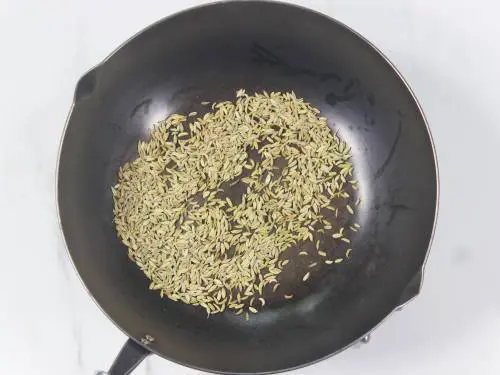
<point>173,207</point>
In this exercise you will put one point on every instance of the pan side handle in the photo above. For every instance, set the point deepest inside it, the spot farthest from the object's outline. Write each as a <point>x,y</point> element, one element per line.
<point>127,360</point>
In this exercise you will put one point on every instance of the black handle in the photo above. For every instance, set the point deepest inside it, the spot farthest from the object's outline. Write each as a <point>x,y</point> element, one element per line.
<point>127,360</point>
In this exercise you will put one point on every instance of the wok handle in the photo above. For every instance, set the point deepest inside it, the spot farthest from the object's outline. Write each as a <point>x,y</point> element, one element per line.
<point>127,360</point>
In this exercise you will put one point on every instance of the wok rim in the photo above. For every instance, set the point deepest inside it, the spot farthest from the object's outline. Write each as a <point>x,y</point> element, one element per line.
<point>304,9</point>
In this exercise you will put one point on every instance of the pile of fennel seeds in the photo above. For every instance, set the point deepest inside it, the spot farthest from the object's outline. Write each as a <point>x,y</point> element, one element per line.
<point>199,247</point>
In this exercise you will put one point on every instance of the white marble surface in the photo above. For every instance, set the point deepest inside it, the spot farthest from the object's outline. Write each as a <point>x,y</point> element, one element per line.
<point>450,54</point>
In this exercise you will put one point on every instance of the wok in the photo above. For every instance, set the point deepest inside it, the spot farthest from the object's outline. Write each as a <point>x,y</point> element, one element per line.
<point>205,54</point>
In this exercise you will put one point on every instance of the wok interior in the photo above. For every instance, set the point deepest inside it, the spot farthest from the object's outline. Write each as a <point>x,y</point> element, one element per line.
<point>207,54</point>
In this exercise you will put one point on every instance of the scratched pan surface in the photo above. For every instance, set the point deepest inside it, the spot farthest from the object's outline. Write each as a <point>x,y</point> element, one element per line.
<point>205,54</point>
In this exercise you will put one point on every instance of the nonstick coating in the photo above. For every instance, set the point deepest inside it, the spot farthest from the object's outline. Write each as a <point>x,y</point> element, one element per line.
<point>205,54</point>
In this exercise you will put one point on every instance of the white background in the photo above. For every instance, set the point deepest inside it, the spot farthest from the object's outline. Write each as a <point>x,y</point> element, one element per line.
<point>450,53</point>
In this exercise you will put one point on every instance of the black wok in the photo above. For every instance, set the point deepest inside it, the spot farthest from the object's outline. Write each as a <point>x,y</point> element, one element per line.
<point>206,53</point>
